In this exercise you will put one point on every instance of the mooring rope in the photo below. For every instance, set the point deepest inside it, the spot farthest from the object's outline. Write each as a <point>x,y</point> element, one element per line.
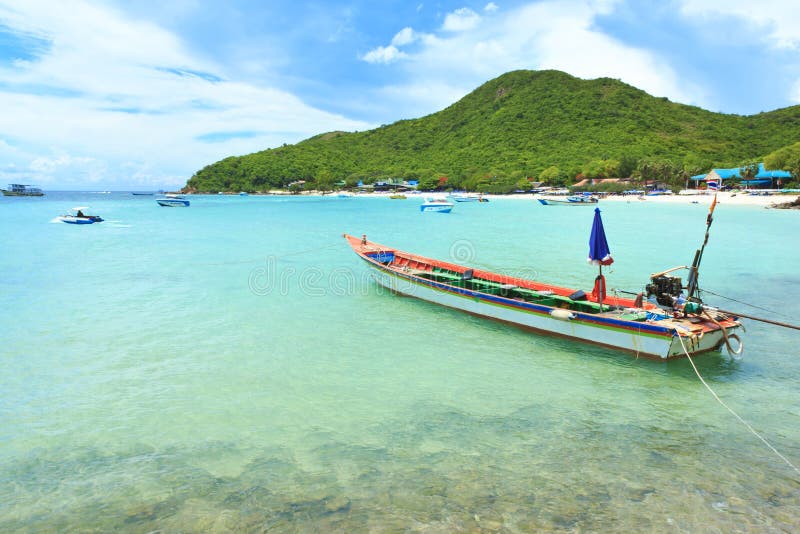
<point>750,428</point>
<point>703,290</point>
<point>726,336</point>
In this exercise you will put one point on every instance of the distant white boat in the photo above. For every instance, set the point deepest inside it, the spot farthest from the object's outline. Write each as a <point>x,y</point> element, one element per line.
<point>576,200</point>
<point>437,204</point>
<point>171,200</point>
<point>467,197</point>
<point>22,190</point>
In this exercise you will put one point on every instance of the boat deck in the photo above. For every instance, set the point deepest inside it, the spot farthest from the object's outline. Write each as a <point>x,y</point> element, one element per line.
<point>536,293</point>
<point>544,297</point>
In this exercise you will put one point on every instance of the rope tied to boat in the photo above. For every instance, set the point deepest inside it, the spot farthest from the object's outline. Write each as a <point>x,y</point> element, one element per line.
<point>737,416</point>
<point>726,336</point>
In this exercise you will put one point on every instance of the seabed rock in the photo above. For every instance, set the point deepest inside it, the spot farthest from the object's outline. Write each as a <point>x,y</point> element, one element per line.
<point>793,205</point>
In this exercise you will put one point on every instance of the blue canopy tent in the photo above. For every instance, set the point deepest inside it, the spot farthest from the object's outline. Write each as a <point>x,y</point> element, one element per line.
<point>763,177</point>
<point>599,254</point>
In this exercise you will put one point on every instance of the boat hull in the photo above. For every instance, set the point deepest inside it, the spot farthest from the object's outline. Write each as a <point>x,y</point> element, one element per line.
<point>173,202</point>
<point>80,220</point>
<point>644,339</point>
<point>660,346</point>
<point>16,194</point>
<point>551,202</point>
<point>438,208</point>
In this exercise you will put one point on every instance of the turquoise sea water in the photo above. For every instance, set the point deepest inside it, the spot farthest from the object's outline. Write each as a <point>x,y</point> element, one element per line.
<point>231,367</point>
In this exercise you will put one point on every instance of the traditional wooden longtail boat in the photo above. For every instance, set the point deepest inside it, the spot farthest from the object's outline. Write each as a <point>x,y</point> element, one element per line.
<point>575,200</point>
<point>642,328</point>
<point>674,328</point>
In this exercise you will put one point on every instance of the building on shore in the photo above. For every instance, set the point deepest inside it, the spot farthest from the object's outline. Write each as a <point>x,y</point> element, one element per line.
<point>722,178</point>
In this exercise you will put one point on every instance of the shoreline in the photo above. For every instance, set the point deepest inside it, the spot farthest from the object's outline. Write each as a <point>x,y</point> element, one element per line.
<point>727,197</point>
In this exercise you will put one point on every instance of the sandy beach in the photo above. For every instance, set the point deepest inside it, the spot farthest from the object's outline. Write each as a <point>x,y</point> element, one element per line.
<point>723,197</point>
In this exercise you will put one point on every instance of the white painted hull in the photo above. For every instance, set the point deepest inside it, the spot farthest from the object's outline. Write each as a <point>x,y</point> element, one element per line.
<point>439,208</point>
<point>173,202</point>
<point>615,334</point>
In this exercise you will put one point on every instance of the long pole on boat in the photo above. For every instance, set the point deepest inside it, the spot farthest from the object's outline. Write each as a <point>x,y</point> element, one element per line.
<point>761,319</point>
<point>698,256</point>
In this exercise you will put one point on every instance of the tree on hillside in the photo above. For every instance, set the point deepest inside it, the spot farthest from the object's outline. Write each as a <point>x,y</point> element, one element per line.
<point>552,175</point>
<point>627,164</point>
<point>325,181</point>
<point>786,159</point>
<point>428,183</point>
<point>601,168</point>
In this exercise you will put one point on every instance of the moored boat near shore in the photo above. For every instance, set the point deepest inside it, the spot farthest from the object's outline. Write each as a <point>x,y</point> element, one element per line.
<point>439,205</point>
<point>22,190</point>
<point>676,326</point>
<point>575,200</point>
<point>173,201</point>
<point>466,197</point>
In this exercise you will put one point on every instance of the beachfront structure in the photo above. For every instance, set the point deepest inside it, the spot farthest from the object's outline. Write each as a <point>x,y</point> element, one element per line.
<point>391,184</point>
<point>763,179</point>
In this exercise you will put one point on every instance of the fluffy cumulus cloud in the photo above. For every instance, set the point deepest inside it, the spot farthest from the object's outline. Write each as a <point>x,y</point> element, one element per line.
<point>778,21</point>
<point>461,20</point>
<point>491,7</point>
<point>383,54</point>
<point>404,37</point>
<point>774,22</point>
<point>795,94</point>
<point>543,35</point>
<point>104,98</point>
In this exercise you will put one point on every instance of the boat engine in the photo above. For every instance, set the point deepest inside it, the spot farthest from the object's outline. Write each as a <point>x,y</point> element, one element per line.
<point>665,288</point>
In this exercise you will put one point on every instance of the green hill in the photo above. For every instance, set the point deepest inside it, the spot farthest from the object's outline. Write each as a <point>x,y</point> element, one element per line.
<point>514,127</point>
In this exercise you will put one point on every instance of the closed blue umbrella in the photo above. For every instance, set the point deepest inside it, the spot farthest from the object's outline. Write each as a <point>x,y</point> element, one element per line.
<point>599,255</point>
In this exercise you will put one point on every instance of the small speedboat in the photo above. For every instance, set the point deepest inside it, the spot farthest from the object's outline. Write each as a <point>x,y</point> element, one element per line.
<point>436,204</point>
<point>465,197</point>
<point>575,200</point>
<point>172,201</point>
<point>76,216</point>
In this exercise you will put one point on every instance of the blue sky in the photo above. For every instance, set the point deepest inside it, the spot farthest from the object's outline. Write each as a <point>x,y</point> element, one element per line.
<point>140,95</point>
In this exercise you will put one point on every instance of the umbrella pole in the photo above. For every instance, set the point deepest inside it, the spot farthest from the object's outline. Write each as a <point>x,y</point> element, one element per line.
<point>602,288</point>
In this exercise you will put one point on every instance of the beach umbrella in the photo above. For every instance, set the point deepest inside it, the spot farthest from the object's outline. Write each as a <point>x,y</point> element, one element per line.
<point>599,254</point>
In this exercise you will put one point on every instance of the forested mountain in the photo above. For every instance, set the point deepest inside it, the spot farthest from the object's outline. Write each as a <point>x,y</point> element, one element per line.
<point>523,124</point>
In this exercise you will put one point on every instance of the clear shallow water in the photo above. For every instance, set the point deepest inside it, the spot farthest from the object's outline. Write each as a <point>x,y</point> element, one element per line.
<point>230,367</point>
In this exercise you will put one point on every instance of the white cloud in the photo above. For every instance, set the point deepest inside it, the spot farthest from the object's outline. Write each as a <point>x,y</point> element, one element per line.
<point>404,37</point>
<point>777,20</point>
<point>110,90</point>
<point>491,7</point>
<point>383,54</point>
<point>460,20</point>
<point>795,93</point>
<point>5,146</point>
<point>555,34</point>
